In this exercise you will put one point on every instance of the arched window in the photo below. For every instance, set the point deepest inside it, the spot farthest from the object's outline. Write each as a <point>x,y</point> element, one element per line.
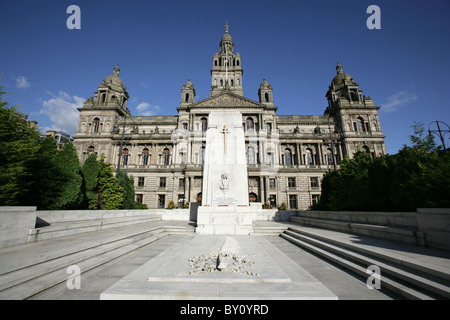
<point>215,63</point>
<point>96,125</point>
<point>221,82</point>
<point>287,157</point>
<point>266,97</point>
<point>251,155</point>
<point>125,154</point>
<point>232,82</point>
<point>90,150</point>
<point>308,157</point>
<point>187,97</point>
<point>103,99</point>
<point>202,155</point>
<point>360,125</point>
<point>204,124</point>
<point>366,149</point>
<point>329,157</point>
<point>145,156</point>
<point>249,124</point>
<point>166,157</point>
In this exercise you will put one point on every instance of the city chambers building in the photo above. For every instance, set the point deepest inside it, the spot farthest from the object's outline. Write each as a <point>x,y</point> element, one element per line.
<point>287,155</point>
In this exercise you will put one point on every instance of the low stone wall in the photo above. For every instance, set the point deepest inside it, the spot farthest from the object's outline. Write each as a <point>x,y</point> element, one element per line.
<point>426,227</point>
<point>15,222</point>
<point>435,224</point>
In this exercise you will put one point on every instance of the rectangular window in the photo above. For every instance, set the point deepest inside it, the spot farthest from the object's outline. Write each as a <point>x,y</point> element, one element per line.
<point>291,182</point>
<point>314,182</point>
<point>272,183</point>
<point>315,199</point>
<point>161,200</point>
<point>269,127</point>
<point>181,200</point>
<point>181,183</point>
<point>162,182</point>
<point>139,198</point>
<point>141,181</point>
<point>292,201</point>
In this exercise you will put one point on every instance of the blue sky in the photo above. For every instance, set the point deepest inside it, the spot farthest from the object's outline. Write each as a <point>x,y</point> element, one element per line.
<point>404,67</point>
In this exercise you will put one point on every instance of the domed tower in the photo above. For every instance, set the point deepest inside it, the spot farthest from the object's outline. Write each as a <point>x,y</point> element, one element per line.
<point>226,73</point>
<point>187,94</point>
<point>265,93</point>
<point>355,116</point>
<point>112,92</point>
<point>99,117</point>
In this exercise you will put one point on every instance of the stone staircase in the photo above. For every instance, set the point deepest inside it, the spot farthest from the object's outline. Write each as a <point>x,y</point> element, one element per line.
<point>28,269</point>
<point>401,274</point>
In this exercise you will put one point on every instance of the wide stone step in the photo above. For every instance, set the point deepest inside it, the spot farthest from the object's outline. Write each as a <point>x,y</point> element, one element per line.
<point>58,274</point>
<point>408,282</point>
<point>69,228</point>
<point>389,284</point>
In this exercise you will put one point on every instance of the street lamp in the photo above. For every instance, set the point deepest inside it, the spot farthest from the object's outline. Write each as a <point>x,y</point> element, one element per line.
<point>439,131</point>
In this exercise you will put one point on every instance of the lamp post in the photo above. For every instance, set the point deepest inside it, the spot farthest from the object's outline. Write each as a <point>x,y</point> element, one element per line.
<point>439,131</point>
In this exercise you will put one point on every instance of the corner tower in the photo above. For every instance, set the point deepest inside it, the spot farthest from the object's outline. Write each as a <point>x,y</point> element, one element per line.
<point>355,116</point>
<point>226,73</point>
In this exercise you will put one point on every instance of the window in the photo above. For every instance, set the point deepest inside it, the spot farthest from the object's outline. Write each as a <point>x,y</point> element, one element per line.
<point>329,157</point>
<point>360,125</point>
<point>272,183</point>
<point>221,82</point>
<point>161,200</point>
<point>202,155</point>
<point>181,200</point>
<point>268,127</point>
<point>145,156</point>
<point>314,182</point>
<point>308,157</point>
<point>139,198</point>
<point>90,150</point>
<point>204,124</point>
<point>315,199</point>
<point>96,125</point>
<point>185,126</point>
<point>266,97</point>
<point>270,158</point>
<point>287,157</point>
<point>292,201</point>
<point>232,82</point>
<point>215,63</point>
<point>125,155</point>
<point>250,124</point>
<point>187,97</point>
<point>162,182</point>
<point>166,157</point>
<point>252,197</point>
<point>237,62</point>
<point>251,155</point>
<point>141,181</point>
<point>291,182</point>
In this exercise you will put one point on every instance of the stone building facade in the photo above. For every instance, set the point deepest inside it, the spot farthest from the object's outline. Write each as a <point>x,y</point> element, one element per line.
<point>287,155</point>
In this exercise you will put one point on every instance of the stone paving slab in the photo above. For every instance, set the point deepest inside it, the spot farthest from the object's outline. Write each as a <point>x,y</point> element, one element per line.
<point>269,275</point>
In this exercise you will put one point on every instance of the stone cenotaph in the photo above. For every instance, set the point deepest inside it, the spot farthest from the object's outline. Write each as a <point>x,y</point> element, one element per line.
<point>225,208</point>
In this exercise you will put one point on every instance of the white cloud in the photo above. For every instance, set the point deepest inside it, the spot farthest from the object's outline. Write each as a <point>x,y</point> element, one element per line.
<point>62,111</point>
<point>398,100</point>
<point>147,109</point>
<point>22,82</point>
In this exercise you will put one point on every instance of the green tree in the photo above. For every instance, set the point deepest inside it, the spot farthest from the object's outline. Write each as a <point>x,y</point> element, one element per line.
<point>110,192</point>
<point>18,145</point>
<point>127,183</point>
<point>90,171</point>
<point>68,165</point>
<point>46,178</point>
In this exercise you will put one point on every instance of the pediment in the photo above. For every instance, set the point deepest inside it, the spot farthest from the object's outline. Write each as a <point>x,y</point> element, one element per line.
<point>227,100</point>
